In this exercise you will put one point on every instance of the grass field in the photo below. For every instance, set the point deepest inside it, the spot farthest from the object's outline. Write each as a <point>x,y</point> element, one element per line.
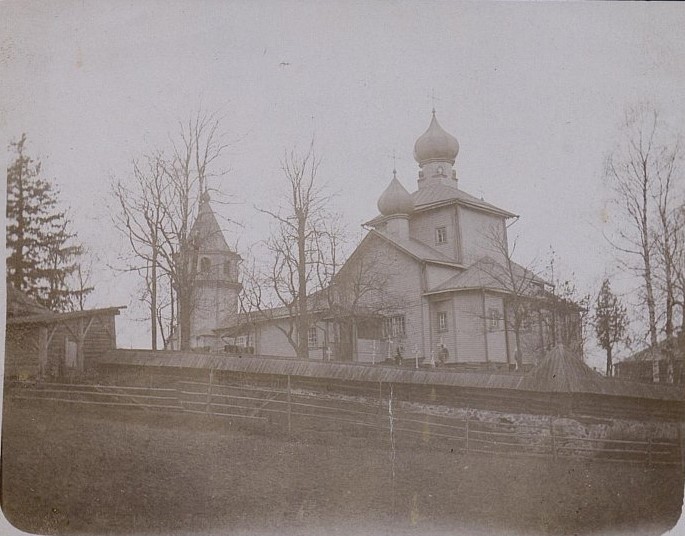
<point>102,471</point>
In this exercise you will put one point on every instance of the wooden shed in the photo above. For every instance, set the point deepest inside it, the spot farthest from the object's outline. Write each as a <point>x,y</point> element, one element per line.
<point>40,343</point>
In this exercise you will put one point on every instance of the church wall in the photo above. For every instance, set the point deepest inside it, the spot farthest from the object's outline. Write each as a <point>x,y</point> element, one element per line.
<point>497,346</point>
<point>475,229</point>
<point>215,306</point>
<point>468,315</point>
<point>530,335</point>
<point>401,279</point>
<point>272,341</point>
<point>447,336</point>
<point>423,225</point>
<point>436,274</point>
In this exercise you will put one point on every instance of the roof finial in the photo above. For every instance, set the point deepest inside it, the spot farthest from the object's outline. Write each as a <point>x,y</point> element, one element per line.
<point>394,164</point>
<point>433,98</point>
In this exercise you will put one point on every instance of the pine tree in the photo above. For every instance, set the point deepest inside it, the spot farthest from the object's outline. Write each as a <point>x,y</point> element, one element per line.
<point>42,251</point>
<point>610,322</point>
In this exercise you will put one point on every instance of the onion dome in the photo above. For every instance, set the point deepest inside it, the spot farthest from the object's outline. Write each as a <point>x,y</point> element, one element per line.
<point>436,145</point>
<point>395,199</point>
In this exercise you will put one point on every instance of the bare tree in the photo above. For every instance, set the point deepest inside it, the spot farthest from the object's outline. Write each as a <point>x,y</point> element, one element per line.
<point>678,262</point>
<point>83,280</point>
<point>522,288</point>
<point>568,309</point>
<point>156,213</point>
<point>142,218</point>
<point>641,173</point>
<point>303,248</point>
<point>666,237</point>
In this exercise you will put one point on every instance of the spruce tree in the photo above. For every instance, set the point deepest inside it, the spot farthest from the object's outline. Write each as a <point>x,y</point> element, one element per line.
<point>610,321</point>
<point>43,252</point>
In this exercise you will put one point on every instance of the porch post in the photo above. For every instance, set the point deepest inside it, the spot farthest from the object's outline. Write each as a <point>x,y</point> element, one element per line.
<point>42,351</point>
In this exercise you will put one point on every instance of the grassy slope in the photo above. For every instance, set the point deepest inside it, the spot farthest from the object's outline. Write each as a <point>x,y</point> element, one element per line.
<point>100,471</point>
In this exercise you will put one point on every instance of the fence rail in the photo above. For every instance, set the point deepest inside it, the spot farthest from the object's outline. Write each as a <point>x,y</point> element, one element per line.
<point>306,410</point>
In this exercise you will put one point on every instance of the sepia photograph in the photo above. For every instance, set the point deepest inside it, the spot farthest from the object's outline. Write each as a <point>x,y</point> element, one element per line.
<point>398,267</point>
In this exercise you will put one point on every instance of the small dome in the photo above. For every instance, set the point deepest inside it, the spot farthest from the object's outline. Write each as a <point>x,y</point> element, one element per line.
<point>395,199</point>
<point>436,145</point>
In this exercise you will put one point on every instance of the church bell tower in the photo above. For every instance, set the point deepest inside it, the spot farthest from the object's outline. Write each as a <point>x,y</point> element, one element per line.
<point>216,280</point>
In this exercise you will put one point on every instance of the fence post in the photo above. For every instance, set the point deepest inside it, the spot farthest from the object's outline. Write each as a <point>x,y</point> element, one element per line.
<point>380,396</point>
<point>467,431</point>
<point>209,392</point>
<point>551,435</point>
<point>681,447</point>
<point>289,408</point>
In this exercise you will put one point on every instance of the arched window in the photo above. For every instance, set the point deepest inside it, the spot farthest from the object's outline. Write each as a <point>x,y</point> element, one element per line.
<point>204,265</point>
<point>227,268</point>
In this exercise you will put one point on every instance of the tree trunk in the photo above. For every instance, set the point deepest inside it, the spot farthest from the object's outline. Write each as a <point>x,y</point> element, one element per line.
<point>153,299</point>
<point>610,366</point>
<point>302,301</point>
<point>646,257</point>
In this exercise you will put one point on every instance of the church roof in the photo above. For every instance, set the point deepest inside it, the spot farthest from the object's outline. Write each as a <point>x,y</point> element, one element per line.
<point>416,249</point>
<point>435,194</point>
<point>487,273</point>
<point>206,232</point>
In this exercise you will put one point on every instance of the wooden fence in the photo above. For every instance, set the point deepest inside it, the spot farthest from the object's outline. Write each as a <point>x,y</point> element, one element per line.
<point>282,406</point>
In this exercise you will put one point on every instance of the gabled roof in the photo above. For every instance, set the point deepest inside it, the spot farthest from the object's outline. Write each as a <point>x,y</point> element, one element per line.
<point>661,351</point>
<point>436,195</point>
<point>489,274</point>
<point>416,249</point>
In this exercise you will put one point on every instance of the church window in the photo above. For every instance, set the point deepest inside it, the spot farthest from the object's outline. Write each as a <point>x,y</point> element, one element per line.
<point>395,326</point>
<point>441,235</point>
<point>494,320</point>
<point>442,321</point>
<point>205,264</point>
<point>312,337</point>
<point>227,268</point>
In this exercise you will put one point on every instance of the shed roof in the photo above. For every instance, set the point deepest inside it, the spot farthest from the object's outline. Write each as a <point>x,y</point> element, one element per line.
<point>52,318</point>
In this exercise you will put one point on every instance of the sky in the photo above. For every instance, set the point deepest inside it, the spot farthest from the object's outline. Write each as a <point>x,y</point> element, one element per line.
<point>534,92</point>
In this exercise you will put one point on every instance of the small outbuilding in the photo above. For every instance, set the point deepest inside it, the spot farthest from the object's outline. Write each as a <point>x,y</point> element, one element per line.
<point>42,343</point>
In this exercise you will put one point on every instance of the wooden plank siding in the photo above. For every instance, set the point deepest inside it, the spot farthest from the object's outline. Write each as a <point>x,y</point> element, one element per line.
<point>468,316</point>
<point>24,338</point>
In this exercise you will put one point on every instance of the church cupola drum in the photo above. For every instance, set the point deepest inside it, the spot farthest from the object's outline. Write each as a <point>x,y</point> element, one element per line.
<point>216,281</point>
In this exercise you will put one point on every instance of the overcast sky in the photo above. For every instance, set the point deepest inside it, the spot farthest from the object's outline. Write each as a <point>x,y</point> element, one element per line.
<point>533,92</point>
